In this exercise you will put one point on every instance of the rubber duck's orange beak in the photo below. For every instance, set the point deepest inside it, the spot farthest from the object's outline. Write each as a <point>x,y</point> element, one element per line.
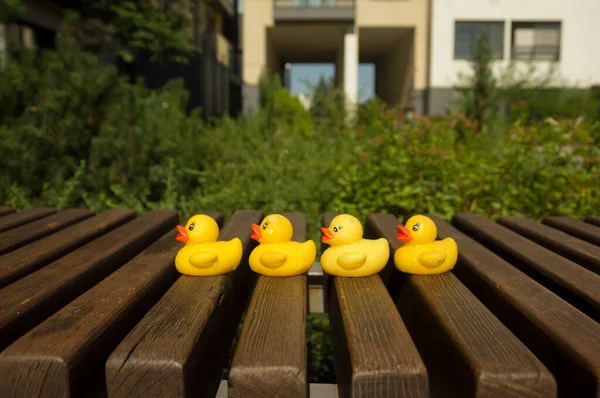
<point>256,232</point>
<point>403,234</point>
<point>182,236</point>
<point>327,235</point>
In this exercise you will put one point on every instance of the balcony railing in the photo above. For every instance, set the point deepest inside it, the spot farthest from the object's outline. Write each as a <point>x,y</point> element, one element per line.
<point>314,3</point>
<point>314,10</point>
<point>227,5</point>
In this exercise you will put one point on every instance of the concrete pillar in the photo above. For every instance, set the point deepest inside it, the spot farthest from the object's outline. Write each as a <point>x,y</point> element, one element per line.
<point>350,71</point>
<point>421,68</point>
<point>351,64</point>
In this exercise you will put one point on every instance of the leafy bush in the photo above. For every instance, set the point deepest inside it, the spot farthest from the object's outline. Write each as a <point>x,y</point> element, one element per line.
<point>527,92</point>
<point>67,118</point>
<point>125,29</point>
<point>320,352</point>
<point>536,171</point>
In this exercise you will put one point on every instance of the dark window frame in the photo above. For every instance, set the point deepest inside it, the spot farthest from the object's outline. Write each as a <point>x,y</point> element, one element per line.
<point>532,55</point>
<point>477,26</point>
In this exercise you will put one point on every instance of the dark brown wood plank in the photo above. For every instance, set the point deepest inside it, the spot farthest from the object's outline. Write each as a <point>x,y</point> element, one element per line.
<point>270,358</point>
<point>593,220</point>
<point>181,346</point>
<point>23,217</point>
<point>373,351</point>
<point>4,210</point>
<point>562,337</point>
<point>468,352</point>
<point>579,229</point>
<point>577,250</point>
<point>20,236</point>
<point>65,354</point>
<point>30,300</point>
<point>569,280</point>
<point>23,261</point>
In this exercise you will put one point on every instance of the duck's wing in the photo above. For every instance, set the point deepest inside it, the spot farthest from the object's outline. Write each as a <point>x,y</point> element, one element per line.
<point>432,259</point>
<point>352,260</point>
<point>308,248</point>
<point>203,259</point>
<point>273,259</point>
<point>447,244</point>
<point>231,248</point>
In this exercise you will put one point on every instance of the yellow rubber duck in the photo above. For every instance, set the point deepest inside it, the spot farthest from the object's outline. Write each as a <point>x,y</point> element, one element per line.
<point>202,254</point>
<point>277,254</point>
<point>421,253</point>
<point>349,254</point>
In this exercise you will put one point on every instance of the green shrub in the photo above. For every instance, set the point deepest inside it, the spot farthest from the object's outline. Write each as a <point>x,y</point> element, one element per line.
<point>524,92</point>
<point>426,170</point>
<point>320,352</point>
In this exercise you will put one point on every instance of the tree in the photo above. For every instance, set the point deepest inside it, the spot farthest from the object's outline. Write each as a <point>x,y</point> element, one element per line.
<point>160,29</point>
<point>480,98</point>
<point>10,9</point>
<point>327,102</point>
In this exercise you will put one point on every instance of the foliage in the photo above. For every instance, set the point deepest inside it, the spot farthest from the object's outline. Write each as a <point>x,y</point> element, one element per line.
<point>479,93</point>
<point>533,95</point>
<point>68,108</point>
<point>537,171</point>
<point>127,29</point>
<point>159,28</point>
<point>279,108</point>
<point>320,352</point>
<point>327,106</point>
<point>524,92</point>
<point>10,9</point>
<point>74,133</point>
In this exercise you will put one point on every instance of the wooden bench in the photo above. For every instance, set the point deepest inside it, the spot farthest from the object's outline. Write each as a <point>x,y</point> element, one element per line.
<point>92,306</point>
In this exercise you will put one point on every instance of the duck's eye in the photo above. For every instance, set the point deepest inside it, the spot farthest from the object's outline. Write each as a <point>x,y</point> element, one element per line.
<point>335,229</point>
<point>416,227</point>
<point>264,226</point>
<point>191,228</point>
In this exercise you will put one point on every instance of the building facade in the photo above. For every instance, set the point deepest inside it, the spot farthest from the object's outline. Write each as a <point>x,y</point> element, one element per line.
<point>394,35</point>
<point>420,47</point>
<point>545,34</point>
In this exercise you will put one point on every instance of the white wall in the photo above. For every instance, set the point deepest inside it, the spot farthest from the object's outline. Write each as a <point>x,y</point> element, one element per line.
<point>579,62</point>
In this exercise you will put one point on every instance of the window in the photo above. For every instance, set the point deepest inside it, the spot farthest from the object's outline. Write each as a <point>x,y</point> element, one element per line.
<point>536,41</point>
<point>467,35</point>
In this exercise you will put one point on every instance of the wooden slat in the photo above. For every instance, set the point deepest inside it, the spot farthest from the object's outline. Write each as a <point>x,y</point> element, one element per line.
<point>30,300</point>
<point>466,349</point>
<point>565,339</point>
<point>23,217</point>
<point>17,237</point>
<point>6,210</point>
<point>577,250</point>
<point>593,220</point>
<point>182,345</point>
<point>65,353</point>
<point>373,351</point>
<point>580,229</point>
<point>569,280</point>
<point>270,358</point>
<point>388,274</point>
<point>18,263</point>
